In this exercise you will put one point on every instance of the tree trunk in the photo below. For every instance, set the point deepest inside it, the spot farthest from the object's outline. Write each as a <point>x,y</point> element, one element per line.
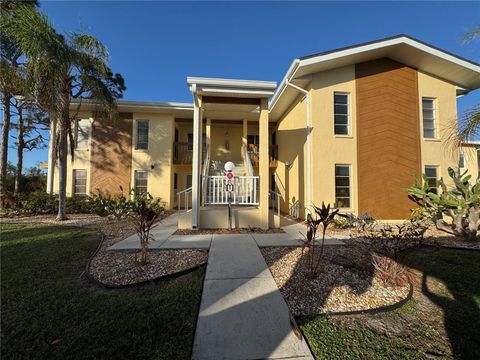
<point>4,145</point>
<point>63,124</point>
<point>20,147</point>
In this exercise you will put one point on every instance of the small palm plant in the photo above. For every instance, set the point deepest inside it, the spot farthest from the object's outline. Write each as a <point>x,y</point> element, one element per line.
<point>324,215</point>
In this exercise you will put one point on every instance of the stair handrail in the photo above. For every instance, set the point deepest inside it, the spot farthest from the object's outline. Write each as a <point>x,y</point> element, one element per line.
<point>179,194</point>
<point>205,169</point>
<point>248,161</point>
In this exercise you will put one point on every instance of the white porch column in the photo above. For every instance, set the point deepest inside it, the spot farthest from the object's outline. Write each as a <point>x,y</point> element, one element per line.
<point>51,156</point>
<point>264,166</point>
<point>208,131</point>
<point>196,161</point>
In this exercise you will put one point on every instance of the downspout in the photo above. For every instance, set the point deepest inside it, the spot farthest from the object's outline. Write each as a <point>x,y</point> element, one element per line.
<point>309,145</point>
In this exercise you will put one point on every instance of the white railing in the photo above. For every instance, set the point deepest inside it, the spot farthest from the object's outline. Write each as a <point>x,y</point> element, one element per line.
<point>245,190</point>
<point>186,194</point>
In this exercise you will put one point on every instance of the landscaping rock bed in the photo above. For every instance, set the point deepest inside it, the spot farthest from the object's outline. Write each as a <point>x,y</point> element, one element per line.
<point>346,282</point>
<point>118,268</point>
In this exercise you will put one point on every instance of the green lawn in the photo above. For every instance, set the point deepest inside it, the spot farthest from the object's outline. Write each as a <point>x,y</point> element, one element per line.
<point>50,312</point>
<point>443,320</point>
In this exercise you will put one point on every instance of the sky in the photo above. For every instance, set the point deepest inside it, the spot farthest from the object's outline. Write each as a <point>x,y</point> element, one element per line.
<point>155,45</point>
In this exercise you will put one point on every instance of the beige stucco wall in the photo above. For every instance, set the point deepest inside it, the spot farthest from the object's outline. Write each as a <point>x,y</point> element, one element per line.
<point>159,154</point>
<point>81,161</point>
<point>438,152</point>
<point>219,134</point>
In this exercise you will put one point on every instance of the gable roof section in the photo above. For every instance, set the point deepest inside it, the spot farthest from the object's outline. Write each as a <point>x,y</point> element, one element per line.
<point>402,48</point>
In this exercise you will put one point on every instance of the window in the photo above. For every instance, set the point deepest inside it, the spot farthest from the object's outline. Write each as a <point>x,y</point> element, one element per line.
<point>461,160</point>
<point>142,134</point>
<point>428,106</point>
<point>141,181</point>
<point>431,178</point>
<point>82,133</point>
<point>175,182</point>
<point>79,182</point>
<point>189,181</point>
<point>340,114</point>
<point>342,186</point>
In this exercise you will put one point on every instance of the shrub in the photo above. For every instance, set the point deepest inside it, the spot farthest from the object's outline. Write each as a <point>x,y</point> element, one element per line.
<point>391,272</point>
<point>325,216</point>
<point>142,211</point>
<point>456,210</point>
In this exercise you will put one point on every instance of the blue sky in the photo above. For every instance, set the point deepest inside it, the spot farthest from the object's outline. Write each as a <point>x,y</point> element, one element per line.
<point>156,45</point>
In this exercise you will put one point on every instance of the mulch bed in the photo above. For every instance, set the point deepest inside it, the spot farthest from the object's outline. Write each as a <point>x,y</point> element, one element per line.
<point>352,286</point>
<point>226,231</point>
<point>121,267</point>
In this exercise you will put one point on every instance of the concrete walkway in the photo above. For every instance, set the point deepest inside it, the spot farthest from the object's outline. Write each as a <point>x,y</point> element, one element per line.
<point>163,237</point>
<point>242,313</point>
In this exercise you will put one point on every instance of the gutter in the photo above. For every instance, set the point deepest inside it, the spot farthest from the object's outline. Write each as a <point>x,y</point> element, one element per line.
<point>309,143</point>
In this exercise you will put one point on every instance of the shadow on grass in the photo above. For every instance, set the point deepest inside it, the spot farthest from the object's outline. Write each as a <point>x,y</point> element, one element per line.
<point>459,271</point>
<point>49,312</point>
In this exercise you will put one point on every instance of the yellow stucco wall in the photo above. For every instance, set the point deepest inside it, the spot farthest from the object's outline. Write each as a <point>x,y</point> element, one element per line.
<point>159,154</point>
<point>471,160</point>
<point>81,161</point>
<point>438,152</point>
<point>328,149</point>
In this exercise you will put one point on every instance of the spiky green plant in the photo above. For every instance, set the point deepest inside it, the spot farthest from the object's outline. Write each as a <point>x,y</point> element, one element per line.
<point>453,210</point>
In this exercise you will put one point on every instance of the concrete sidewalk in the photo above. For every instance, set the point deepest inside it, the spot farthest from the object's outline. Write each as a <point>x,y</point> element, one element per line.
<point>242,313</point>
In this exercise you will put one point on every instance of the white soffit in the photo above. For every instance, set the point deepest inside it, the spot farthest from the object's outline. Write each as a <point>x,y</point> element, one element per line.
<point>231,87</point>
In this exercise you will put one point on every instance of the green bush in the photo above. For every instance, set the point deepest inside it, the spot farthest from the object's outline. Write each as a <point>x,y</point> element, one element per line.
<point>41,203</point>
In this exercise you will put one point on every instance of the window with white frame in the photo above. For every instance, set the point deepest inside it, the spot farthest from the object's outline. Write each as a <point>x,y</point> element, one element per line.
<point>461,160</point>
<point>82,133</point>
<point>428,113</point>
<point>340,114</point>
<point>79,182</point>
<point>342,186</point>
<point>141,181</point>
<point>431,177</point>
<point>142,134</point>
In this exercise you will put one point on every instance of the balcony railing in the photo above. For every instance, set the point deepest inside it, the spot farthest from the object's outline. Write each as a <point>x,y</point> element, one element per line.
<point>183,152</point>
<point>254,153</point>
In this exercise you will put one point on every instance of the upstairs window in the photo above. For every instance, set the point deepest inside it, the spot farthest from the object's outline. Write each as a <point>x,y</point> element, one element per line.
<point>428,107</point>
<point>82,133</point>
<point>141,181</point>
<point>340,114</point>
<point>79,182</point>
<point>142,134</point>
<point>431,175</point>
<point>342,186</point>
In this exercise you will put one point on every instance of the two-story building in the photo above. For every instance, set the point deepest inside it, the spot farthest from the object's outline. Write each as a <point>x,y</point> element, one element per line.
<point>352,126</point>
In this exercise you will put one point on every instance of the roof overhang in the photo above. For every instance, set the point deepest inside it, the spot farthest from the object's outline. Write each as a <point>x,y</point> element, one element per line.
<point>231,87</point>
<point>176,108</point>
<point>463,73</point>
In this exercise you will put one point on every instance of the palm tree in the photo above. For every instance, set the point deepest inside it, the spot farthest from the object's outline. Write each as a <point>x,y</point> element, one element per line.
<point>64,68</point>
<point>469,121</point>
<point>10,78</point>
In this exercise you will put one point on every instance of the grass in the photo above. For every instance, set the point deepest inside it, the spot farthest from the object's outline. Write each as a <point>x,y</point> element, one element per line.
<point>445,322</point>
<point>50,312</point>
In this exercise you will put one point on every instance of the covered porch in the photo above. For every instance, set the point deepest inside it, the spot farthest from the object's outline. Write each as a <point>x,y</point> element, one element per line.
<point>230,123</point>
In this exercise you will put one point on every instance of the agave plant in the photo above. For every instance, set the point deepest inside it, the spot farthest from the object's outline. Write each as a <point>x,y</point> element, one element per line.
<point>456,210</point>
<point>324,215</point>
